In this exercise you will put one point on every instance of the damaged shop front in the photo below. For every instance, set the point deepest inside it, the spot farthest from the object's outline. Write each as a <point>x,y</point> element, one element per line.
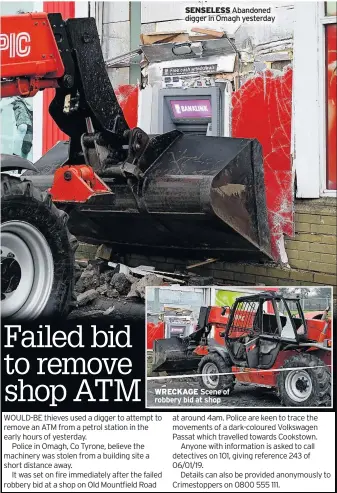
<point>248,81</point>
<point>222,79</point>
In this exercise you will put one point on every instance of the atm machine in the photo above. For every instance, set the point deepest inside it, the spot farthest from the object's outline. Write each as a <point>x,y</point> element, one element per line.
<point>177,326</point>
<point>188,86</point>
<point>197,110</point>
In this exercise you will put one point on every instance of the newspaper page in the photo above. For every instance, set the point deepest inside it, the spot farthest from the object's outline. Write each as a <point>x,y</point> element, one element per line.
<point>168,246</point>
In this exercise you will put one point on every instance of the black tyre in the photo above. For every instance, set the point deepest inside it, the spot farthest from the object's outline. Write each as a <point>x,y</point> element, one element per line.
<point>37,253</point>
<point>212,364</point>
<point>309,385</point>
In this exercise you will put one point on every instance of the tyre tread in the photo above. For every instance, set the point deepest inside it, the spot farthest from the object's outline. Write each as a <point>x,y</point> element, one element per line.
<point>13,187</point>
<point>321,373</point>
<point>225,366</point>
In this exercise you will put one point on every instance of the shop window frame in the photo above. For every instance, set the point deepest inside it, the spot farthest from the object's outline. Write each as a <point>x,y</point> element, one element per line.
<point>323,21</point>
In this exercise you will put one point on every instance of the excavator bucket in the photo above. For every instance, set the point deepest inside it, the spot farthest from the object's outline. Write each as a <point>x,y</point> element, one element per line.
<point>200,195</point>
<point>173,194</point>
<point>171,355</point>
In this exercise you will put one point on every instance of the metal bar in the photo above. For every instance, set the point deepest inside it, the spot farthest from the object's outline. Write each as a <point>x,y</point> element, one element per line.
<point>135,23</point>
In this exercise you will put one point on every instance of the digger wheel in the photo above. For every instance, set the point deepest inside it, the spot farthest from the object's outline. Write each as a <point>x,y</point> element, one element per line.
<point>306,383</point>
<point>37,253</point>
<point>209,367</point>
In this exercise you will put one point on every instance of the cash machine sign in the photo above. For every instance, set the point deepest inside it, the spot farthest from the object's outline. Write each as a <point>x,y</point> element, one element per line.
<point>191,108</point>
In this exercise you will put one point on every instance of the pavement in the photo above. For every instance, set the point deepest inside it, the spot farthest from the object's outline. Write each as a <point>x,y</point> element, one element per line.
<point>165,393</point>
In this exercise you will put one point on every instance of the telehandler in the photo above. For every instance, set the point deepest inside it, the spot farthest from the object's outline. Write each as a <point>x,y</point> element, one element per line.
<point>252,343</point>
<point>174,193</point>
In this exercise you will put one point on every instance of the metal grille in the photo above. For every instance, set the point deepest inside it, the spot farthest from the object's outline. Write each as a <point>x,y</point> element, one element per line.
<point>243,319</point>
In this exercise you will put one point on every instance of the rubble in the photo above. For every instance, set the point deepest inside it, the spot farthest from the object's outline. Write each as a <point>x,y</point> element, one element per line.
<point>104,252</point>
<point>77,272</point>
<point>82,263</point>
<point>109,311</point>
<point>138,287</point>
<point>112,293</point>
<point>113,281</point>
<point>103,287</point>
<point>77,314</point>
<point>86,297</point>
<point>121,283</point>
<point>89,279</point>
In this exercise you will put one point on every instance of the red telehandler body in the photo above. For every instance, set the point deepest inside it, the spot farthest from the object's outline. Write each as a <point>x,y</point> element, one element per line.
<point>248,344</point>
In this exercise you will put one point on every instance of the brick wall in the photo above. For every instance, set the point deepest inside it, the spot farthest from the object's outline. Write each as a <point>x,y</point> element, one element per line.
<point>311,253</point>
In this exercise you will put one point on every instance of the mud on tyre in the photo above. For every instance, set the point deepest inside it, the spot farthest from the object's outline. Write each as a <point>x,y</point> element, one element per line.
<point>304,387</point>
<point>209,366</point>
<point>37,253</point>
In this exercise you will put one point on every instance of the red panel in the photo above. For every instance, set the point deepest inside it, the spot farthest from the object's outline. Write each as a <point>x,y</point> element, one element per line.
<point>154,332</point>
<point>262,109</point>
<point>76,184</point>
<point>36,53</point>
<point>51,133</point>
<point>127,96</point>
<point>331,60</point>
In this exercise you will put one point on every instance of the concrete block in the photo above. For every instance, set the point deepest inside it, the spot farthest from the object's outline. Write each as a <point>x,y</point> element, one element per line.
<point>234,267</point>
<point>116,12</point>
<point>303,227</point>
<point>331,220</point>
<point>86,251</point>
<point>256,269</point>
<point>277,272</point>
<point>104,252</point>
<point>321,248</point>
<point>299,264</point>
<point>245,278</point>
<point>293,254</point>
<point>265,281</point>
<point>86,297</point>
<point>322,267</point>
<point>329,259</point>
<point>328,229</point>
<point>223,275</point>
<point>307,218</point>
<point>297,245</point>
<point>302,276</point>
<point>327,279</point>
<point>310,256</point>
<point>115,39</point>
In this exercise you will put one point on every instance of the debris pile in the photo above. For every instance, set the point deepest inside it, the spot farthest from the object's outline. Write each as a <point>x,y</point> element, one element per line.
<point>101,287</point>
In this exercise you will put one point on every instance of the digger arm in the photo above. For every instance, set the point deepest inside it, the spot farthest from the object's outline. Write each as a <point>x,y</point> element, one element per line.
<point>117,169</point>
<point>40,51</point>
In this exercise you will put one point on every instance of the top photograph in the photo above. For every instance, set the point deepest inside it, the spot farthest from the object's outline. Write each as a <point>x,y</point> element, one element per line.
<point>164,143</point>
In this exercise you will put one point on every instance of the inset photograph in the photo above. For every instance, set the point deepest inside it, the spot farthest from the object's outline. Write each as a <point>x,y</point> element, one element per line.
<point>238,346</point>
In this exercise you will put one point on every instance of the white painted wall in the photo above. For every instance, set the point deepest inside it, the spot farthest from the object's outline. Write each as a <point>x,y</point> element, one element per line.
<point>169,16</point>
<point>306,101</point>
<point>296,32</point>
<point>253,39</point>
<point>113,24</point>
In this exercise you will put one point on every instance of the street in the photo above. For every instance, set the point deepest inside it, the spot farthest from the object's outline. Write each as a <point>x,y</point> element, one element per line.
<point>242,395</point>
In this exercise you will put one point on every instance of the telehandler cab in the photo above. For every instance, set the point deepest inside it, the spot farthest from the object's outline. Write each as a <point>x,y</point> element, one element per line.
<point>263,339</point>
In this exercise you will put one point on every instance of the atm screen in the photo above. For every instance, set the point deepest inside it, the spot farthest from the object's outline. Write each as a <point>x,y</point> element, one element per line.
<point>178,330</point>
<point>191,108</point>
